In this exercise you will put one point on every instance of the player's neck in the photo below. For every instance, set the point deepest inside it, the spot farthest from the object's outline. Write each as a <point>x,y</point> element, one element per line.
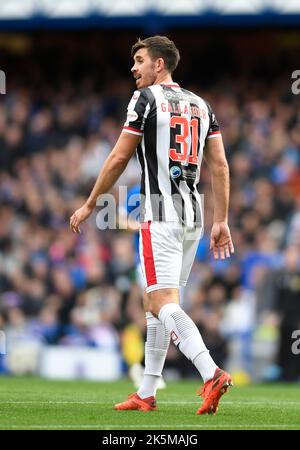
<point>164,79</point>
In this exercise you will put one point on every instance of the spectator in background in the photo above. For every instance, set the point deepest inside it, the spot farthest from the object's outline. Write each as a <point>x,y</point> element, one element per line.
<point>287,304</point>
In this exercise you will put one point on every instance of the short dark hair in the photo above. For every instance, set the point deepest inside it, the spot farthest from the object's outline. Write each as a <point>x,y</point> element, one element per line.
<point>159,47</point>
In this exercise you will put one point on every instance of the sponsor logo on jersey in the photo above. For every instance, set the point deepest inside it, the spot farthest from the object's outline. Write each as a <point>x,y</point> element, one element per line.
<point>176,96</point>
<point>175,171</point>
<point>132,115</point>
<point>188,174</point>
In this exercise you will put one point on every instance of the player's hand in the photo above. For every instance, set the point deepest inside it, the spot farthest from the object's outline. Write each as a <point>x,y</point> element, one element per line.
<point>80,215</point>
<point>220,240</point>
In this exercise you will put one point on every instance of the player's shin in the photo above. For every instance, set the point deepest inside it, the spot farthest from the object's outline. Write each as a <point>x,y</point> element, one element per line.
<point>186,336</point>
<point>156,347</point>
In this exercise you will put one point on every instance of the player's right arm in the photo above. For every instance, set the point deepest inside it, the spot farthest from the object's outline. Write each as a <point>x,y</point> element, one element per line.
<point>214,155</point>
<point>113,167</point>
<point>117,161</point>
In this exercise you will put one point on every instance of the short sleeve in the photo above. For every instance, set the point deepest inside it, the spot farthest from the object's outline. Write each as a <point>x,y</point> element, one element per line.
<point>137,112</point>
<point>214,128</point>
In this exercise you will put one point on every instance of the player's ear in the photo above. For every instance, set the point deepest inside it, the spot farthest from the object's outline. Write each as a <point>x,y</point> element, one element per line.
<point>160,64</point>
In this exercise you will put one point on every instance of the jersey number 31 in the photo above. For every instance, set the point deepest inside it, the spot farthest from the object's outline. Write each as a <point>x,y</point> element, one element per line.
<point>181,139</point>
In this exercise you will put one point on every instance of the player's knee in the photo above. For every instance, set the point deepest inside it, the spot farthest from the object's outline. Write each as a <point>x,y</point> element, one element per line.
<point>157,299</point>
<point>152,307</point>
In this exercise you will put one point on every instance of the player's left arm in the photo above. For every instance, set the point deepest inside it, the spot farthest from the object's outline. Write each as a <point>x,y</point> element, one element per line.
<point>214,154</point>
<point>113,167</point>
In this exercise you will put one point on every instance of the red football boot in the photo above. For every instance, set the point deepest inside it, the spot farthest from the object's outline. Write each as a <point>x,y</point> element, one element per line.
<point>213,390</point>
<point>135,402</point>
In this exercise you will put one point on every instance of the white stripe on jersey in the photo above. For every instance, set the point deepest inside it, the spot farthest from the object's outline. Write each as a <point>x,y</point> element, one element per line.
<point>163,138</point>
<point>213,135</point>
<point>203,132</point>
<point>146,112</point>
<point>183,188</point>
<point>188,206</point>
<point>132,131</point>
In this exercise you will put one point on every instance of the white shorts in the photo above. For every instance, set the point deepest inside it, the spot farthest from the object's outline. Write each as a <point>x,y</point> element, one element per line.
<point>167,253</point>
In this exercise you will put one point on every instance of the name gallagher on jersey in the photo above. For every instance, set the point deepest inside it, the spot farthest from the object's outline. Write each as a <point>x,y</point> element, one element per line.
<point>183,109</point>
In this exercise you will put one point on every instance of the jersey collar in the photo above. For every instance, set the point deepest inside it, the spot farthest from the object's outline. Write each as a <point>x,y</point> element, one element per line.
<point>169,84</point>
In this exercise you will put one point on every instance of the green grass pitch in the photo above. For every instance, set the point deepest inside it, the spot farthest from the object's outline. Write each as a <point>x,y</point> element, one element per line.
<point>32,403</point>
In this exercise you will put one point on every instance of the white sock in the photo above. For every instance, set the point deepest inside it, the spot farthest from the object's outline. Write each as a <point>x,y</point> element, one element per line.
<point>205,365</point>
<point>149,385</point>
<point>156,347</point>
<point>186,336</point>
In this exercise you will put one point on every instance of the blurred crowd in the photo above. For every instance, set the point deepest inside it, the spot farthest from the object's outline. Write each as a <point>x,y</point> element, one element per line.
<point>62,289</point>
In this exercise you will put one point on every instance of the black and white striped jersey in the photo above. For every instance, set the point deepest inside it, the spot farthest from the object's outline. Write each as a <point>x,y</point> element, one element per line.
<point>174,124</point>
